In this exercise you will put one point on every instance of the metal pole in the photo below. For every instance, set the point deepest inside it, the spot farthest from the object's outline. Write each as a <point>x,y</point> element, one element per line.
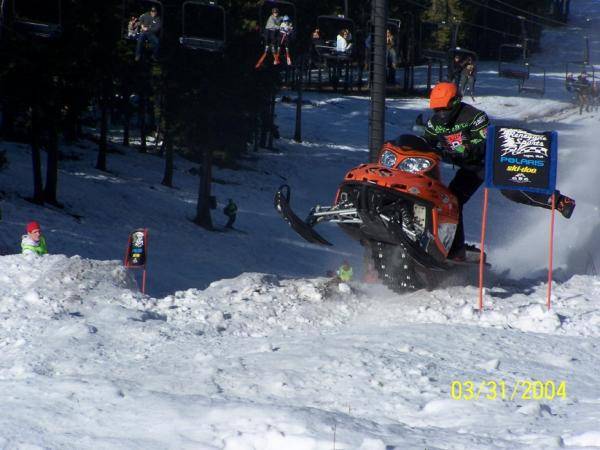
<point>377,113</point>
<point>482,249</point>
<point>298,130</point>
<point>551,253</point>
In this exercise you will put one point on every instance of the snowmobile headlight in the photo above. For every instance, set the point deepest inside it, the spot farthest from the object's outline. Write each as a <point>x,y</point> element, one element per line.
<point>388,159</point>
<point>414,165</point>
<point>446,233</point>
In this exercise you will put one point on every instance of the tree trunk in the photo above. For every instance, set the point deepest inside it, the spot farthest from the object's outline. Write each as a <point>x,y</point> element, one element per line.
<point>52,166</point>
<point>168,176</point>
<point>203,217</point>
<point>101,161</point>
<point>36,159</point>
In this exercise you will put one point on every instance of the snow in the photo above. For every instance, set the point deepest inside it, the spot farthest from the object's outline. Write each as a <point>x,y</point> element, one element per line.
<point>242,343</point>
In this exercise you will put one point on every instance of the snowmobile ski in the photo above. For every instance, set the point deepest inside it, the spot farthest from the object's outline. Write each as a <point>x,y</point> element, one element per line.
<point>306,231</point>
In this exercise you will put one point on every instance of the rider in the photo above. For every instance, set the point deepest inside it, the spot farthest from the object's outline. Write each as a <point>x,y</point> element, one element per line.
<point>460,131</point>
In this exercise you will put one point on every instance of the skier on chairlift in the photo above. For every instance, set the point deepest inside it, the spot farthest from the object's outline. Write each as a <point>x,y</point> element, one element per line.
<point>149,29</point>
<point>272,37</point>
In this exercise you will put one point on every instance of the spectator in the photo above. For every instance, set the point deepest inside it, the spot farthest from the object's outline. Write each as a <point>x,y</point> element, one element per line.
<point>457,68</point>
<point>392,59</point>
<point>230,211</point>
<point>345,272</point>
<point>33,243</point>
<point>468,78</point>
<point>342,44</point>
<point>149,26</point>
<point>583,90</point>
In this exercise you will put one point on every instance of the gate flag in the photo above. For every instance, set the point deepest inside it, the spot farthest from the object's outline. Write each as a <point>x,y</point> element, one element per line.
<point>520,159</point>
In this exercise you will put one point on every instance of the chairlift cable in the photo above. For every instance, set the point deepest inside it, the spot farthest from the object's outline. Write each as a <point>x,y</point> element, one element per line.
<point>530,13</point>
<point>504,33</point>
<point>515,16</point>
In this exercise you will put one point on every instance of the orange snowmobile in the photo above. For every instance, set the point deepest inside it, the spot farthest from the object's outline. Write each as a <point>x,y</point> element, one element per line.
<point>399,208</point>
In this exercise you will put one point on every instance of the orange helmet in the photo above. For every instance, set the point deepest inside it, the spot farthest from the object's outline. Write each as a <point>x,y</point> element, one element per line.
<point>442,95</point>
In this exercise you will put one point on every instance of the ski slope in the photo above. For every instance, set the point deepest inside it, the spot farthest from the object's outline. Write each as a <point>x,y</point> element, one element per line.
<point>242,344</point>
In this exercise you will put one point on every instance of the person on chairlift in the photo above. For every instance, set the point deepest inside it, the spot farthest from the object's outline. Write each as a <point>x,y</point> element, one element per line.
<point>149,25</point>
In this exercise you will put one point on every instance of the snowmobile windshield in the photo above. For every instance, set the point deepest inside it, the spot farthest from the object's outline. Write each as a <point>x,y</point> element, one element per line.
<point>413,142</point>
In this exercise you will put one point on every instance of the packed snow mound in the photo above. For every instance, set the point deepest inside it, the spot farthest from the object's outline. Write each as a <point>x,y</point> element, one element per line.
<point>56,283</point>
<point>251,304</point>
<point>575,306</point>
<point>255,305</point>
<point>258,305</point>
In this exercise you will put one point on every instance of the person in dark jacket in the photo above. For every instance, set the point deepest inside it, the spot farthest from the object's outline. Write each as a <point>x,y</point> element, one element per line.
<point>230,211</point>
<point>459,132</point>
<point>149,30</point>
<point>468,78</point>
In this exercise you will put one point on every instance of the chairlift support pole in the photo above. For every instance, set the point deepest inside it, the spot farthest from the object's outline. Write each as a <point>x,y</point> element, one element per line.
<point>377,112</point>
<point>299,82</point>
<point>586,50</point>
<point>523,36</point>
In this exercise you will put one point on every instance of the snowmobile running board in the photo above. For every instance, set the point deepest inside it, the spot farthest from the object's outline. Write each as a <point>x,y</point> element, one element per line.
<point>317,215</point>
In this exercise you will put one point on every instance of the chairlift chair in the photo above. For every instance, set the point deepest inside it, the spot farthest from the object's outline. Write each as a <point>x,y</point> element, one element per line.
<point>512,62</point>
<point>135,8</point>
<point>42,19</point>
<point>329,27</point>
<point>265,9</point>
<point>203,26</point>
<point>394,25</point>
<point>576,68</point>
<point>464,53</point>
<point>425,51</point>
<point>285,9</point>
<point>535,83</point>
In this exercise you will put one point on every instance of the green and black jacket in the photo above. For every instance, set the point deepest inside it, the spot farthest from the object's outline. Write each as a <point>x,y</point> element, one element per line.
<point>462,139</point>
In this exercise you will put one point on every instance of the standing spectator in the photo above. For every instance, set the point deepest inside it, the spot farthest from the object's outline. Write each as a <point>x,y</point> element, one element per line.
<point>457,68</point>
<point>468,78</point>
<point>583,90</point>
<point>33,243</point>
<point>230,211</point>
<point>149,26</point>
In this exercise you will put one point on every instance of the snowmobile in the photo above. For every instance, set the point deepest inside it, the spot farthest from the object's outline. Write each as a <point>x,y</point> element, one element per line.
<point>399,209</point>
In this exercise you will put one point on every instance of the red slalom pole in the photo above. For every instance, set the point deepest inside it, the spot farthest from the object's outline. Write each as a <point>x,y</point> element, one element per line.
<point>144,282</point>
<point>550,262</point>
<point>482,247</point>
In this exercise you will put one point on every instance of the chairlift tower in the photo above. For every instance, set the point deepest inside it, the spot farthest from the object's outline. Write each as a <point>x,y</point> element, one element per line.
<point>378,84</point>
